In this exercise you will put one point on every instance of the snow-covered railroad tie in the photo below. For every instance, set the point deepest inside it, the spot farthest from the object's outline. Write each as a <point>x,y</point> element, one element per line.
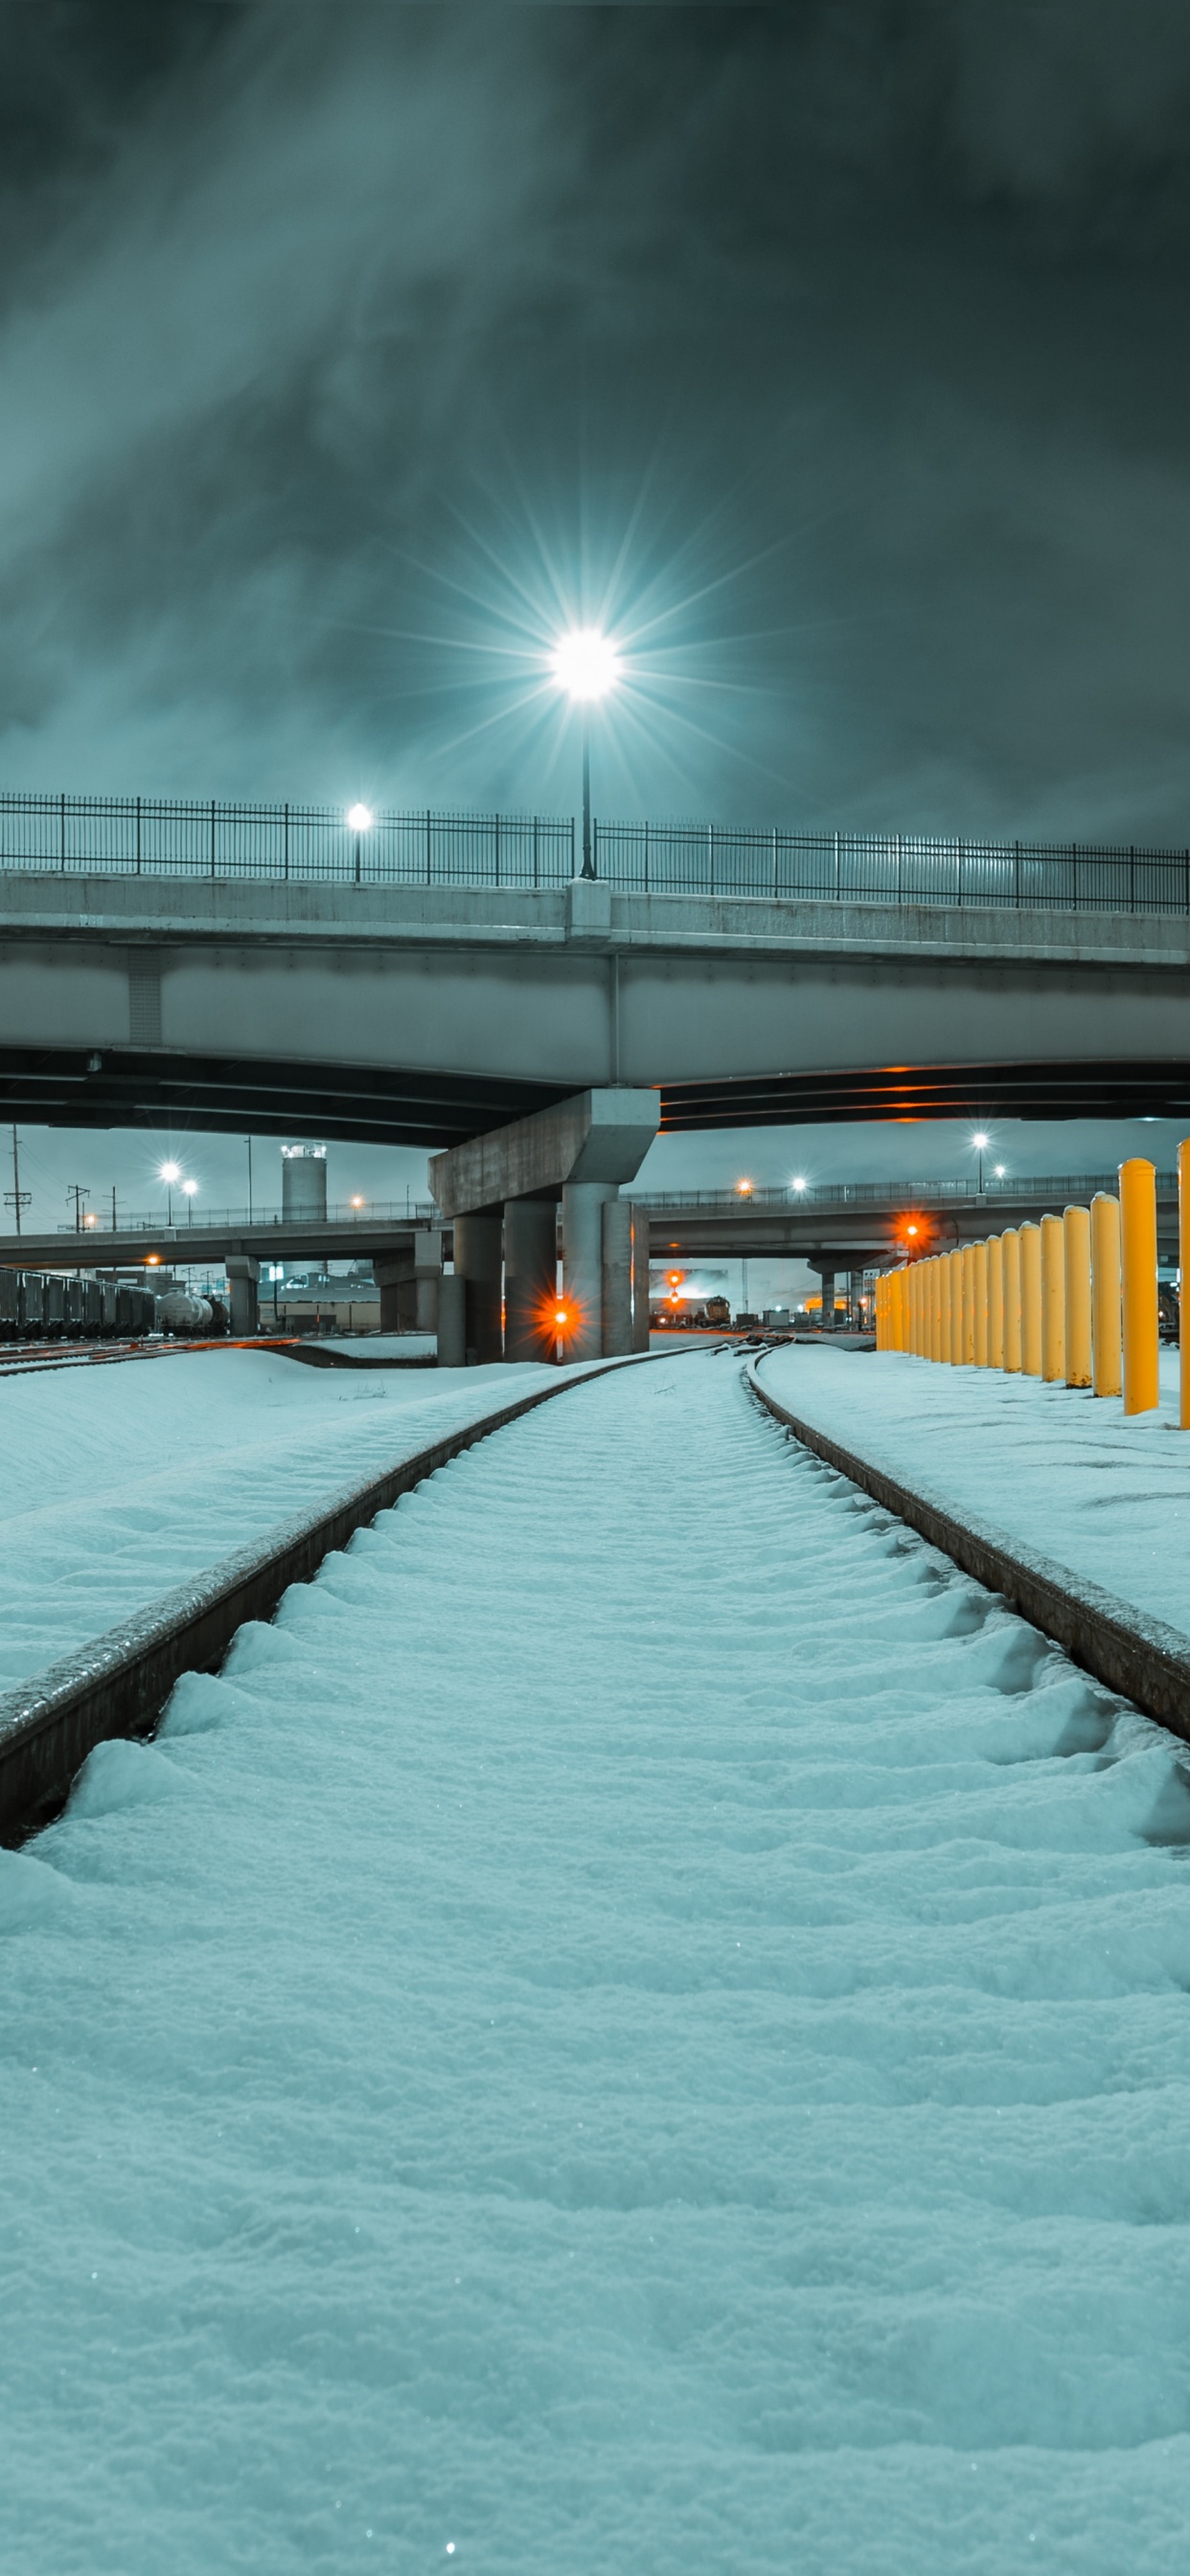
<point>641,2024</point>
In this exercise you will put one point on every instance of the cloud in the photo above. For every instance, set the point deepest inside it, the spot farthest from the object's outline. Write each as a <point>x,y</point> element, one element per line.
<point>837,349</point>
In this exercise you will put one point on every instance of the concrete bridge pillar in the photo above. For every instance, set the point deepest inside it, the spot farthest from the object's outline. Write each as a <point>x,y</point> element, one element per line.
<point>479,1249</point>
<point>243,1274</point>
<point>828,1301</point>
<point>617,1278</point>
<point>394,1277</point>
<point>427,1277</point>
<point>583,1204</point>
<point>640,1275</point>
<point>452,1322</point>
<point>530,1278</point>
<point>587,1148</point>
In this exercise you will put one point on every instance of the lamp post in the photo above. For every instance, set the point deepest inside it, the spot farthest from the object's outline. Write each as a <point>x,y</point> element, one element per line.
<point>586,665</point>
<point>191,1190</point>
<point>980,1144</point>
<point>169,1173</point>
<point>360,819</point>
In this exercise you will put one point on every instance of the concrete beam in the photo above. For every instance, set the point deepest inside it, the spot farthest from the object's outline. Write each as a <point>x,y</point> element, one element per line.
<point>597,1136</point>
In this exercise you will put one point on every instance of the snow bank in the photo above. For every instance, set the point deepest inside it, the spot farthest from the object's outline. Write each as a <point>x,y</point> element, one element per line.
<point>116,1483</point>
<point>642,2026</point>
<point>1056,1468</point>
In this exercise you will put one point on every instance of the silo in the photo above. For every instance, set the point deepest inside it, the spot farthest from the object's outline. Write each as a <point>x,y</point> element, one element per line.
<point>303,1183</point>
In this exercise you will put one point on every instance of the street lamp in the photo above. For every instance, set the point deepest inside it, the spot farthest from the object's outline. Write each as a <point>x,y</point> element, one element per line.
<point>799,1182</point>
<point>169,1173</point>
<point>191,1189</point>
<point>360,819</point>
<point>980,1144</point>
<point>586,664</point>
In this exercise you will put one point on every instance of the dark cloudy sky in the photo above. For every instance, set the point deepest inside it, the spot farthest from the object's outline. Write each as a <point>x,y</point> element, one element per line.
<point>837,355</point>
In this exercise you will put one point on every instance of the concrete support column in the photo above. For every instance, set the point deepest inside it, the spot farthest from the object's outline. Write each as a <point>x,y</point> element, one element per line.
<point>427,1277</point>
<point>479,1248</point>
<point>583,1203</point>
<point>393,1272</point>
<point>855,1294</point>
<point>243,1273</point>
<point>828,1301</point>
<point>617,1279</point>
<point>452,1322</point>
<point>530,1278</point>
<point>640,1275</point>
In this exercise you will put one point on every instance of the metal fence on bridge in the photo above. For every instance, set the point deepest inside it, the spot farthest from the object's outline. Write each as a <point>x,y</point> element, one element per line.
<point>1049,1189</point>
<point>160,836</point>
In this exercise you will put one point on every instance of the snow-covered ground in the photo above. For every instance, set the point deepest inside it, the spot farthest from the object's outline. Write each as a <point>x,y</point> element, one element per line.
<point>1052,1466</point>
<point>641,2027</point>
<point>116,1483</point>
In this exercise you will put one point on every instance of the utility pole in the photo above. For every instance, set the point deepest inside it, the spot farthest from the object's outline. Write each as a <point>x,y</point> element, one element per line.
<point>248,1142</point>
<point>16,1197</point>
<point>114,1226</point>
<point>78,1194</point>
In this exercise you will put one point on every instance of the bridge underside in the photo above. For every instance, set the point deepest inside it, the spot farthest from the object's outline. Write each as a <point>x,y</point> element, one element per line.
<point>1131,1089</point>
<point>360,1104</point>
<point>128,1087</point>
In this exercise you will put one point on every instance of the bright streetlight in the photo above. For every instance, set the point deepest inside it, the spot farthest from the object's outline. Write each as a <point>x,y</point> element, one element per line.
<point>359,818</point>
<point>586,665</point>
<point>169,1173</point>
<point>979,1145</point>
<point>799,1182</point>
<point>191,1190</point>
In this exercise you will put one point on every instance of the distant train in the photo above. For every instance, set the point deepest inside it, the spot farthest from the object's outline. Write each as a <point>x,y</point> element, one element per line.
<point>37,1307</point>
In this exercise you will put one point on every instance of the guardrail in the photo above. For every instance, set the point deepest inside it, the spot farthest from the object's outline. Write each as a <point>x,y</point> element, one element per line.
<point>66,834</point>
<point>897,1194</point>
<point>363,1213</point>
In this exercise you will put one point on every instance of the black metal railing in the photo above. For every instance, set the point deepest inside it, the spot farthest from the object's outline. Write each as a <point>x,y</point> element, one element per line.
<point>1048,1190</point>
<point>890,867</point>
<point>186,837</point>
<point>179,837</point>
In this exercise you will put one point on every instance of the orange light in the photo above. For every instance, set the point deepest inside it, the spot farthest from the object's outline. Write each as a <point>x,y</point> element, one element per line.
<point>911,1229</point>
<point>152,1260</point>
<point>357,1202</point>
<point>744,1188</point>
<point>89,1219</point>
<point>562,1318</point>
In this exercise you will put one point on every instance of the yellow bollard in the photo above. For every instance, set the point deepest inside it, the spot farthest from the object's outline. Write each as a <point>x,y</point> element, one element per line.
<point>1010,1256</point>
<point>967,1353</point>
<point>979,1273</point>
<point>1184,1270</point>
<point>955,1264</point>
<point>1107,1375</point>
<point>944,1306</point>
<point>995,1302</point>
<point>1138,1268</point>
<point>936,1308</point>
<point>915,1303</point>
<point>1030,1300</point>
<point>1053,1299</point>
<point>1076,1228</point>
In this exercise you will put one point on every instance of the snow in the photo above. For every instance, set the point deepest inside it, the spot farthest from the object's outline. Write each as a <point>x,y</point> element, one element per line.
<point>117,1482</point>
<point>1055,1468</point>
<point>640,2026</point>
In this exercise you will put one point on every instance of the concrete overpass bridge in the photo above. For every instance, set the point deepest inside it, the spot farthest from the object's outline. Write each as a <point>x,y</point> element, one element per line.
<point>843,1227</point>
<point>174,965</point>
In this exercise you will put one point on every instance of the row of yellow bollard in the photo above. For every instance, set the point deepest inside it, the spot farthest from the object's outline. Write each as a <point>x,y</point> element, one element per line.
<point>1073,1299</point>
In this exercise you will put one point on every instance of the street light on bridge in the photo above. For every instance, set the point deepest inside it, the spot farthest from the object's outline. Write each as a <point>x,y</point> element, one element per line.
<point>587,665</point>
<point>191,1191</point>
<point>170,1173</point>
